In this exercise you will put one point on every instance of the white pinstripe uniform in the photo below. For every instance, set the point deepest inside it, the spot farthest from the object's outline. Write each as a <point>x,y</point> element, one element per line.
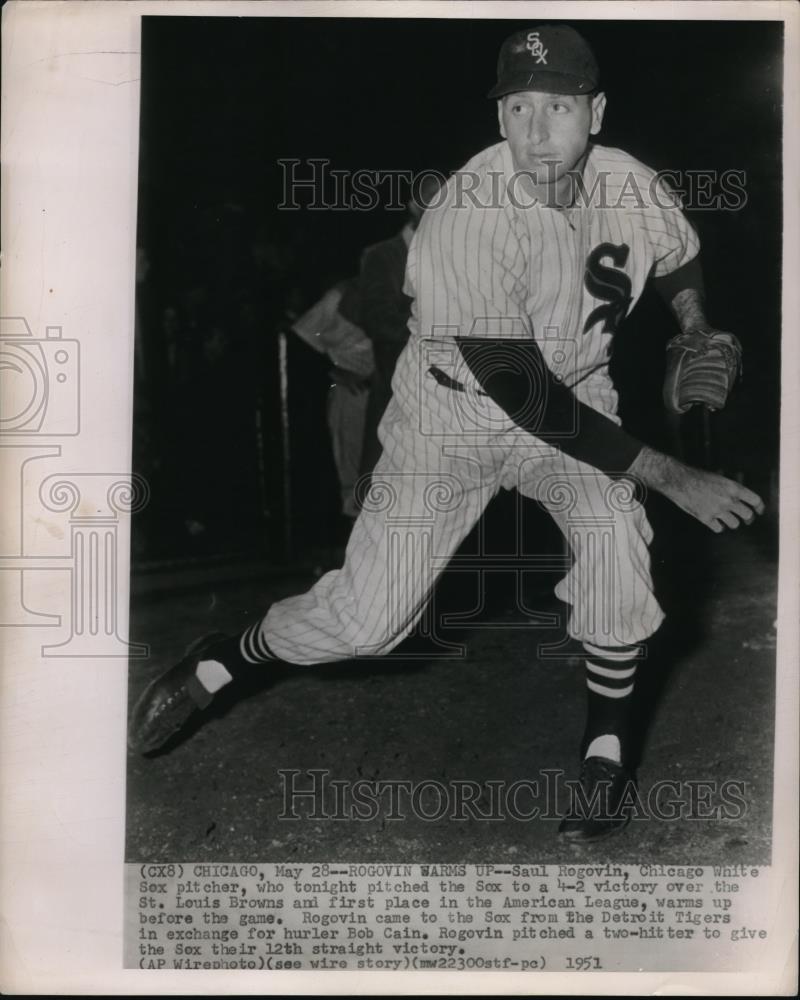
<point>485,263</point>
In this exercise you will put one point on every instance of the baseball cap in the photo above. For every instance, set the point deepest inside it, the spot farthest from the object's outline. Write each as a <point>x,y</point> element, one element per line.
<point>550,57</point>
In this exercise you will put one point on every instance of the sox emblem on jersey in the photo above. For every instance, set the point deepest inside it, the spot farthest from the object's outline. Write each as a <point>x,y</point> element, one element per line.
<point>536,48</point>
<point>611,284</point>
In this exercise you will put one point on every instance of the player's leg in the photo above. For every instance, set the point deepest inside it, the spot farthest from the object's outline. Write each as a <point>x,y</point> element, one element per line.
<point>420,507</point>
<point>410,524</point>
<point>613,610</point>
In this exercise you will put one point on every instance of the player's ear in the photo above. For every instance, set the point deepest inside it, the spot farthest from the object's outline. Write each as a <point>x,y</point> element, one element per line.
<point>598,110</point>
<point>500,117</point>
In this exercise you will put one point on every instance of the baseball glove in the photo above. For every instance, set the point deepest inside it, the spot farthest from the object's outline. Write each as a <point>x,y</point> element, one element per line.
<point>701,368</point>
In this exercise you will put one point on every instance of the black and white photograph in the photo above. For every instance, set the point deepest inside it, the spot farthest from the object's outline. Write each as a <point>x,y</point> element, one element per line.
<point>380,571</point>
<point>452,502</point>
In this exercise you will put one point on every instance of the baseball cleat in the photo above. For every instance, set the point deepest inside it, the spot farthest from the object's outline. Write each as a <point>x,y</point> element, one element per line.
<point>171,700</point>
<point>599,811</point>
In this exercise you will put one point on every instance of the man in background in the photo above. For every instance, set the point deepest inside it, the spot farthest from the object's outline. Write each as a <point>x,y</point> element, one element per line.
<point>385,309</point>
<point>325,328</point>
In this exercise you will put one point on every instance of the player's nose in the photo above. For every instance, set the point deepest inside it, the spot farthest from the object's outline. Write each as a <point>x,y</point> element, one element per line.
<point>537,129</point>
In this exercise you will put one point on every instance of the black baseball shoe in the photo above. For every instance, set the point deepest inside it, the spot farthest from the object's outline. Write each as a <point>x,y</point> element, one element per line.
<point>171,700</point>
<point>597,808</point>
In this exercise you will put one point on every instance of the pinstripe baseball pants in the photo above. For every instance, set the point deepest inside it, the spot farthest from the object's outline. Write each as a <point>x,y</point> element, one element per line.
<point>445,455</point>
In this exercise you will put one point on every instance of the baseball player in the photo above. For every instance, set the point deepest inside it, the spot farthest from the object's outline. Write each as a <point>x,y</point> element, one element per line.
<point>328,331</point>
<point>520,275</point>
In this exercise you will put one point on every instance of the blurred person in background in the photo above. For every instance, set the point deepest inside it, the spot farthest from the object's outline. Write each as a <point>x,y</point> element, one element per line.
<point>385,309</point>
<point>325,328</point>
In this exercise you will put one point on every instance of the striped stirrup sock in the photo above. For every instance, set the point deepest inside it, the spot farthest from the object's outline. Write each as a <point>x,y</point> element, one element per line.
<point>610,676</point>
<point>253,648</point>
<point>233,658</point>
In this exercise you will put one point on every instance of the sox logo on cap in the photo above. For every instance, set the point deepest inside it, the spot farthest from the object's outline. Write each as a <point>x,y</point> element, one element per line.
<point>536,48</point>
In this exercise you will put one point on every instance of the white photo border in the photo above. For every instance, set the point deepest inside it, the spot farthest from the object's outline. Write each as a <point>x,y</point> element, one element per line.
<point>70,124</point>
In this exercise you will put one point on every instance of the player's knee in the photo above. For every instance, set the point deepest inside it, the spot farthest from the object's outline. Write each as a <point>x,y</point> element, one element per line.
<point>373,635</point>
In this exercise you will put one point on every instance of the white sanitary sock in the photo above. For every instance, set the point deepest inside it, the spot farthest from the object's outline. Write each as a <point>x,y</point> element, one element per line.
<point>605,746</point>
<point>212,675</point>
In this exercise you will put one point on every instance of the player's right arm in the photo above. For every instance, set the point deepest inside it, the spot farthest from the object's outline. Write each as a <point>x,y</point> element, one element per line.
<point>467,278</point>
<point>583,433</point>
<point>717,502</point>
<point>512,371</point>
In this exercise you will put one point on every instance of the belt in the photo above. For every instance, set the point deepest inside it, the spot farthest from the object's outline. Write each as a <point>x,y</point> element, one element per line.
<point>450,383</point>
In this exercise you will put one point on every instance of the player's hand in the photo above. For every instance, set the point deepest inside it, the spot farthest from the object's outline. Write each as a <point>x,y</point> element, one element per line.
<point>717,502</point>
<point>714,500</point>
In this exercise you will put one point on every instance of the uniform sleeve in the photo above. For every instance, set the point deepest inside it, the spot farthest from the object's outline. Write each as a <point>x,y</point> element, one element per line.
<point>687,277</point>
<point>672,237</point>
<point>555,415</point>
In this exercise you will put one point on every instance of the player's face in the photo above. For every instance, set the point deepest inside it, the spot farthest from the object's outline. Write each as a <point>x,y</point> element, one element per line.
<point>548,133</point>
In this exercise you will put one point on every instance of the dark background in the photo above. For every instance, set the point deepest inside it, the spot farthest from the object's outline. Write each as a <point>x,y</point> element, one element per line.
<point>223,99</point>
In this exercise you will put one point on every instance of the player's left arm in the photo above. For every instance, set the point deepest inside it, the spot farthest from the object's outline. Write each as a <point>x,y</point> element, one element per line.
<point>684,292</point>
<point>702,361</point>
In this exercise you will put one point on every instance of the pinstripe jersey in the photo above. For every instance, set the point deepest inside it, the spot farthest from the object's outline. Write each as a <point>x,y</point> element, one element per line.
<point>487,261</point>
